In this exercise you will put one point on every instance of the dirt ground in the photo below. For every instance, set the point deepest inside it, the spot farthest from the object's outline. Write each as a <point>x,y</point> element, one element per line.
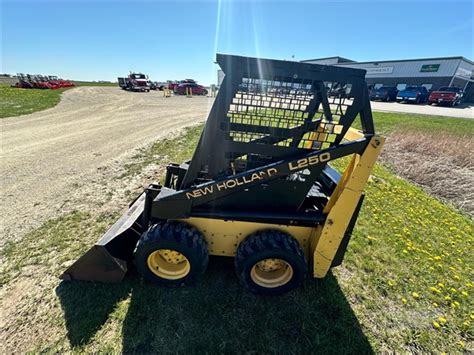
<point>47,156</point>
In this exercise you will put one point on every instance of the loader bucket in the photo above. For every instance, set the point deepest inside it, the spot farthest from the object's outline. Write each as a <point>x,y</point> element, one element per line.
<point>107,260</point>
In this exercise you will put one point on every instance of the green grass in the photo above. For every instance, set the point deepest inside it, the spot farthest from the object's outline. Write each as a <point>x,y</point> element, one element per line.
<point>16,102</point>
<point>385,123</point>
<point>176,149</point>
<point>406,285</point>
<point>93,83</point>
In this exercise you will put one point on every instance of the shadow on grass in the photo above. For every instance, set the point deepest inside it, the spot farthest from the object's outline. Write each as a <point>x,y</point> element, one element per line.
<point>217,315</point>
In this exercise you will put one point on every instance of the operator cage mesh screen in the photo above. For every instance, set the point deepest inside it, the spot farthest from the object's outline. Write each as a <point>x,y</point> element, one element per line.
<point>266,111</point>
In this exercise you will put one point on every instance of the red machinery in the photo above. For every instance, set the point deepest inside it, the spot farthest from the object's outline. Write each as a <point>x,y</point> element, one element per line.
<point>51,82</point>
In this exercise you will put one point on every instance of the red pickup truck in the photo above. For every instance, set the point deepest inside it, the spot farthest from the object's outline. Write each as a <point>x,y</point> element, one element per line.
<point>450,95</point>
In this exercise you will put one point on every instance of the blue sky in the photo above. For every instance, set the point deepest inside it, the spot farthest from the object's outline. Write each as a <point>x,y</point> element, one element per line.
<point>100,40</point>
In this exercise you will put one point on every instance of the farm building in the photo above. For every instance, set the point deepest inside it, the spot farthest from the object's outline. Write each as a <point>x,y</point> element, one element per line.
<point>431,73</point>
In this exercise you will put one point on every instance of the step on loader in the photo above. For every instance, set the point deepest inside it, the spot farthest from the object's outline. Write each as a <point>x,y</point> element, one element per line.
<point>260,186</point>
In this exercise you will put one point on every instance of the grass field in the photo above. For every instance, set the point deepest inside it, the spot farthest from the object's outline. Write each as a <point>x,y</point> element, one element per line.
<point>93,83</point>
<point>406,283</point>
<point>16,102</point>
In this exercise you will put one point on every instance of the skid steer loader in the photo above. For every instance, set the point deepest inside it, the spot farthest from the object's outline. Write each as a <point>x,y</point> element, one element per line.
<point>259,187</point>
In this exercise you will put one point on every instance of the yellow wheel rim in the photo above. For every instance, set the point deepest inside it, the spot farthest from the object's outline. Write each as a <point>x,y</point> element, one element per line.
<point>271,273</point>
<point>168,264</point>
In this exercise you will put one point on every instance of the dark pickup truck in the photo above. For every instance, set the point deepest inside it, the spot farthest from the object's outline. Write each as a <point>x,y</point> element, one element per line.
<point>385,93</point>
<point>449,95</point>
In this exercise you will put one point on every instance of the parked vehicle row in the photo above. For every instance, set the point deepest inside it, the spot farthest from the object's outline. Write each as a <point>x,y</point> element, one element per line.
<point>52,82</point>
<point>140,82</point>
<point>449,95</point>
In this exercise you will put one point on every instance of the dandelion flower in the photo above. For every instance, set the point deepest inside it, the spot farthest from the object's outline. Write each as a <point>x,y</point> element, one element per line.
<point>442,320</point>
<point>464,293</point>
<point>404,300</point>
<point>415,295</point>
<point>436,325</point>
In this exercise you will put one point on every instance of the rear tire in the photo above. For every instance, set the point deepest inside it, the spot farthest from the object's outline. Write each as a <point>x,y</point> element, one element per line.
<point>270,262</point>
<point>171,254</point>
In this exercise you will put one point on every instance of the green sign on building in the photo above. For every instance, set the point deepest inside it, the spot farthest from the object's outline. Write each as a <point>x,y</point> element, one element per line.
<point>427,68</point>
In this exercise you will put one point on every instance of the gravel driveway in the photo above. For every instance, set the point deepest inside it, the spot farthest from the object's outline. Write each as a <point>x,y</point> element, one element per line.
<point>45,156</point>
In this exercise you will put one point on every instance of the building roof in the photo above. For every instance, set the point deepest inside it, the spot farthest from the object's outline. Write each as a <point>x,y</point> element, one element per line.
<point>412,60</point>
<point>342,60</point>
<point>339,59</point>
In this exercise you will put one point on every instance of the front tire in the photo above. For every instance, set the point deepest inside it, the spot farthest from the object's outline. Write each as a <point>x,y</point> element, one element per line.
<point>171,254</point>
<point>270,262</point>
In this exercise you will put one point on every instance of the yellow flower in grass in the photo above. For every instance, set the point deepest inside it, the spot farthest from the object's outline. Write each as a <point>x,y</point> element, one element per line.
<point>415,295</point>
<point>472,316</point>
<point>391,283</point>
<point>464,293</point>
<point>434,290</point>
<point>440,284</point>
<point>461,344</point>
<point>436,325</point>
<point>447,298</point>
<point>404,300</point>
<point>442,320</point>
<point>466,324</point>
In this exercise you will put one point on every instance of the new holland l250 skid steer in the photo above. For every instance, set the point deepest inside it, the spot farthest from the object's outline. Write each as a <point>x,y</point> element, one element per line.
<point>259,187</point>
